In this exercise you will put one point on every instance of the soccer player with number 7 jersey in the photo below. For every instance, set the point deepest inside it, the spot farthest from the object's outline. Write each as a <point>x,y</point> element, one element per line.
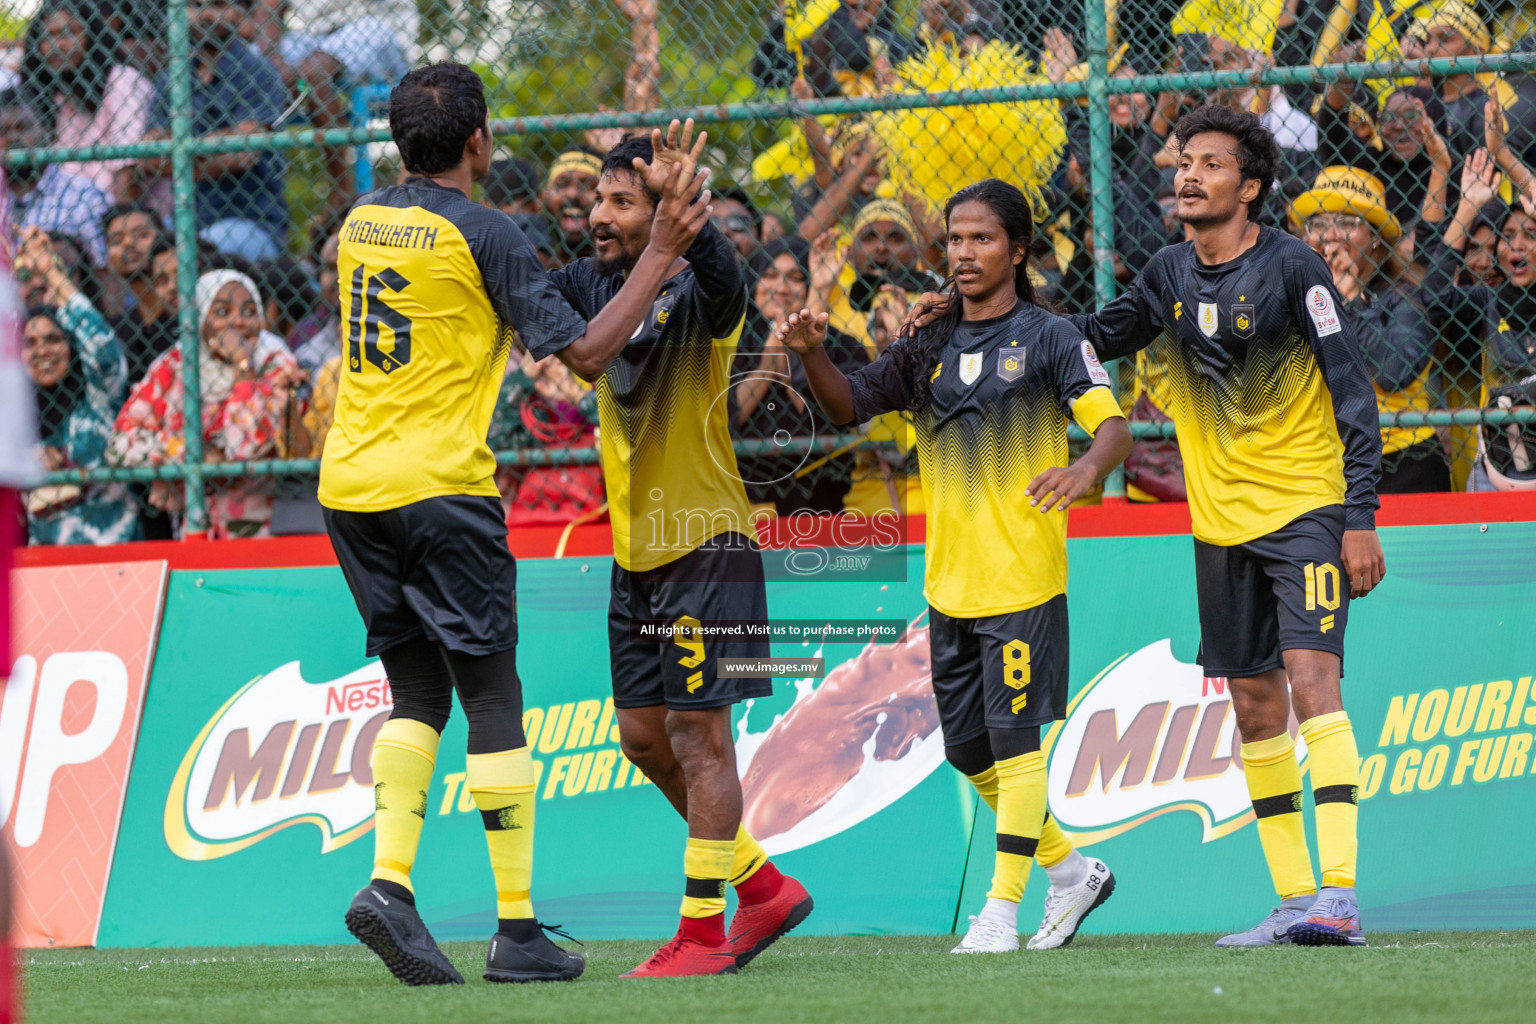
<point>1277,423</point>
<point>432,288</point>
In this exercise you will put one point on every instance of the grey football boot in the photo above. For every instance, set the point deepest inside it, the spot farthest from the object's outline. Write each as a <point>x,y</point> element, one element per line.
<point>1272,930</point>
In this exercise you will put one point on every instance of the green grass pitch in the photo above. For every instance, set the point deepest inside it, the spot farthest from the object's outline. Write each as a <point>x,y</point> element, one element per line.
<point>1420,976</point>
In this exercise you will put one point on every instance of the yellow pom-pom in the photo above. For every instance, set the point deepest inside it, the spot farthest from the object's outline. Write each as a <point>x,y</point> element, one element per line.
<point>934,153</point>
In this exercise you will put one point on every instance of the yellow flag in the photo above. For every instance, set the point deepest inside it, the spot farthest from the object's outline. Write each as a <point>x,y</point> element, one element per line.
<point>1381,44</point>
<point>1249,24</point>
<point>802,19</point>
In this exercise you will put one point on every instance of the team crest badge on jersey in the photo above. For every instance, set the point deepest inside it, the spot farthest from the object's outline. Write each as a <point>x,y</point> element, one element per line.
<point>1242,320</point>
<point>661,312</point>
<point>970,367</point>
<point>1207,319</point>
<point>1010,363</point>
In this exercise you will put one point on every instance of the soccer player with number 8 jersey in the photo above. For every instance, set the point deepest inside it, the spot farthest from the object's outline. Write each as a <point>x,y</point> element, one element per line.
<point>1277,423</point>
<point>992,378</point>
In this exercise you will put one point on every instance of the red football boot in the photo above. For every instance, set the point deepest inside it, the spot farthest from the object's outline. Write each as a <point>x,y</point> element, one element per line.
<point>689,953</point>
<point>759,924</point>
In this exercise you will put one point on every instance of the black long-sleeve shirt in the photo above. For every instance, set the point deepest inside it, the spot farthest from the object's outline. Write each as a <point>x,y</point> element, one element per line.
<point>662,406</point>
<point>1274,406</point>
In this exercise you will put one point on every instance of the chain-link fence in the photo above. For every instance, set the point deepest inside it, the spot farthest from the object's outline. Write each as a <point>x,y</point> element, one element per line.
<point>177,177</point>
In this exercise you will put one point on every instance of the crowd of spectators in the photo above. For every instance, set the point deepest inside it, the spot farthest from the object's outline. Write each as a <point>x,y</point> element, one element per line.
<point>1416,190</point>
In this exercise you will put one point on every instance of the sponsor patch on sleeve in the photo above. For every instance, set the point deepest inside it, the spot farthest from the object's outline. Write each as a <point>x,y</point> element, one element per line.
<point>1096,371</point>
<point>1320,308</point>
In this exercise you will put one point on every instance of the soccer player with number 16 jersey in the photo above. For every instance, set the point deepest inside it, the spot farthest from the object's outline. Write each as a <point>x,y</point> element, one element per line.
<point>1277,423</point>
<point>432,288</point>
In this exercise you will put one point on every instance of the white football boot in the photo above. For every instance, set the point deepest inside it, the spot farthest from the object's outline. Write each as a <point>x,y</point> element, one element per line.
<point>994,930</point>
<point>1066,906</point>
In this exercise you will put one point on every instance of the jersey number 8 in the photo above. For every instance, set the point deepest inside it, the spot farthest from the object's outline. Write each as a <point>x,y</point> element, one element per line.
<point>363,330</point>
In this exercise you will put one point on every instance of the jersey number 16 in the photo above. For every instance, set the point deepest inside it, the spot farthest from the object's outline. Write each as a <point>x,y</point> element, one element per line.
<point>363,329</point>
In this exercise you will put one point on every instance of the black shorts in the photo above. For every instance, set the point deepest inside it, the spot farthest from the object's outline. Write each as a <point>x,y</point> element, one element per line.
<point>720,579</point>
<point>438,568</point>
<point>999,672</point>
<point>1283,591</point>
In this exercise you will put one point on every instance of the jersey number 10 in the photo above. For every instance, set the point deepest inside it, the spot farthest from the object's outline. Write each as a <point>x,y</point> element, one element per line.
<point>363,329</point>
<point>1322,585</point>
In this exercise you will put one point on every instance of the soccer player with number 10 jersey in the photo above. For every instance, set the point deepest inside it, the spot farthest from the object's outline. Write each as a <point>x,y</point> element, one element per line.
<point>1277,423</point>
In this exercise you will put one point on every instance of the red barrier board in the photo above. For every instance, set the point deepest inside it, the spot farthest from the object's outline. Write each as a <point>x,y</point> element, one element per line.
<point>1111,519</point>
<point>84,639</point>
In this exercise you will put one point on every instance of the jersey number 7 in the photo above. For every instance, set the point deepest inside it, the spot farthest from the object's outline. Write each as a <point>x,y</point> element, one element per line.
<point>363,329</point>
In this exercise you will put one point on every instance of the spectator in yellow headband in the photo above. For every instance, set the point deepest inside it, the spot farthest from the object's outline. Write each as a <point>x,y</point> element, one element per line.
<point>569,195</point>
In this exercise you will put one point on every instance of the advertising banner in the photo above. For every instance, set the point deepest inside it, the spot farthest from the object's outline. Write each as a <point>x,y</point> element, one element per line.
<point>252,777</point>
<point>69,712</point>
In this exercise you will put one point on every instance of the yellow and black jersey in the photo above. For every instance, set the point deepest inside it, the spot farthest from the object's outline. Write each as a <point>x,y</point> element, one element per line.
<point>997,415</point>
<point>1274,406</point>
<point>432,287</point>
<point>662,407</point>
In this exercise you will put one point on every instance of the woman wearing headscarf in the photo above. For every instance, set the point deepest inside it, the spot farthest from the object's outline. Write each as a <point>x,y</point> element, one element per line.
<point>770,399</point>
<point>79,378</point>
<point>246,386</point>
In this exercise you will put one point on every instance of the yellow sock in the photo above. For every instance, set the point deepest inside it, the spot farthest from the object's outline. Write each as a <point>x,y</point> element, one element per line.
<point>1054,847</point>
<point>403,755</point>
<point>707,864</point>
<point>986,785</point>
<point>1274,786</point>
<point>1020,815</point>
<point>749,856</point>
<point>502,785</point>
<point>1335,766</point>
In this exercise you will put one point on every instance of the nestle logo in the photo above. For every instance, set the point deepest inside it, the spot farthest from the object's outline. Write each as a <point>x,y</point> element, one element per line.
<point>360,696</point>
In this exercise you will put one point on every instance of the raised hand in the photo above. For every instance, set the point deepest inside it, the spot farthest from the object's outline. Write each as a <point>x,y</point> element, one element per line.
<point>1060,54</point>
<point>826,261</point>
<point>1480,178</point>
<point>671,152</point>
<point>683,211</point>
<point>1493,124</point>
<point>36,251</point>
<point>801,332</point>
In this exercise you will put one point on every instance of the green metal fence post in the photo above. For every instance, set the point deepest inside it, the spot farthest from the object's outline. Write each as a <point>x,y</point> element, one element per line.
<point>1101,184</point>
<point>182,188</point>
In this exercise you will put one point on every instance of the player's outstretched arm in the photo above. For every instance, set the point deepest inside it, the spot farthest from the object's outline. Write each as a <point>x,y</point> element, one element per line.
<point>680,215</point>
<point>713,257</point>
<point>804,334</point>
<point>1126,325</point>
<point>1058,487</point>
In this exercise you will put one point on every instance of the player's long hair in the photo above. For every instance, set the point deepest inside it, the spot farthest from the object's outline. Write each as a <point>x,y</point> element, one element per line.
<point>1012,209</point>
